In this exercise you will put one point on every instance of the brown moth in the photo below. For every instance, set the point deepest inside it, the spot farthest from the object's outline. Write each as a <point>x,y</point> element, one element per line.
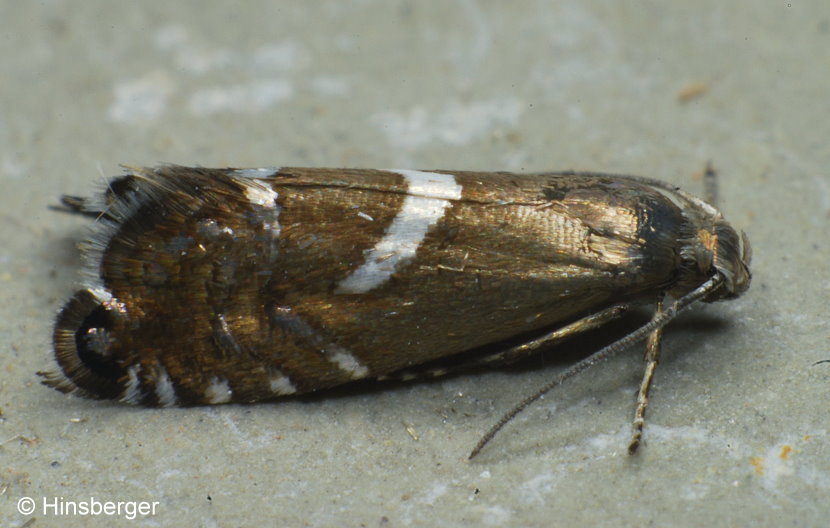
<point>207,286</point>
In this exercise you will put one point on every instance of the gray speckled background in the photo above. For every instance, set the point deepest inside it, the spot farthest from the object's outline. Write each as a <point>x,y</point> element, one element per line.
<point>738,426</point>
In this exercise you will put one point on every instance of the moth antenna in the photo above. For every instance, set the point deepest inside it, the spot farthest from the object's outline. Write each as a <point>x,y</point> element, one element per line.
<point>710,185</point>
<point>659,320</point>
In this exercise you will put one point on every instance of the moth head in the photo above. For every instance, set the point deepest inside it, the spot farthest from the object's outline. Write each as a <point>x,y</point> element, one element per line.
<point>732,258</point>
<point>722,252</point>
<point>83,338</point>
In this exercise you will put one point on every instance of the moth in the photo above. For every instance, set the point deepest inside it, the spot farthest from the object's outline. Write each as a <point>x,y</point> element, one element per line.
<point>209,286</point>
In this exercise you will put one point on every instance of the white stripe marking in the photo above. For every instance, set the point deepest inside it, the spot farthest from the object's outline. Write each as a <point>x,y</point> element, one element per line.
<point>165,392</point>
<point>260,193</point>
<point>428,196</point>
<point>281,384</point>
<point>290,323</point>
<point>347,362</point>
<point>218,391</point>
<point>132,392</point>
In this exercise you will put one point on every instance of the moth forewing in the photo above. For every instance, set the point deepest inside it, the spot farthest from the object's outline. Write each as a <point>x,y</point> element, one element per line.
<point>235,285</point>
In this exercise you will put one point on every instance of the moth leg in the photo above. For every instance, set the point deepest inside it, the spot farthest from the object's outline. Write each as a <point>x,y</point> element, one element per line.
<point>710,195</point>
<point>517,352</point>
<point>589,322</point>
<point>651,357</point>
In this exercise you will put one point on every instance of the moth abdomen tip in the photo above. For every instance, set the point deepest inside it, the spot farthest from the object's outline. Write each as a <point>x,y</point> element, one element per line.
<point>82,349</point>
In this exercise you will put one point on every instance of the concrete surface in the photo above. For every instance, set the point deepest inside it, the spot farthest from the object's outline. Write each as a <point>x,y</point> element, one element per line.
<point>738,428</point>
